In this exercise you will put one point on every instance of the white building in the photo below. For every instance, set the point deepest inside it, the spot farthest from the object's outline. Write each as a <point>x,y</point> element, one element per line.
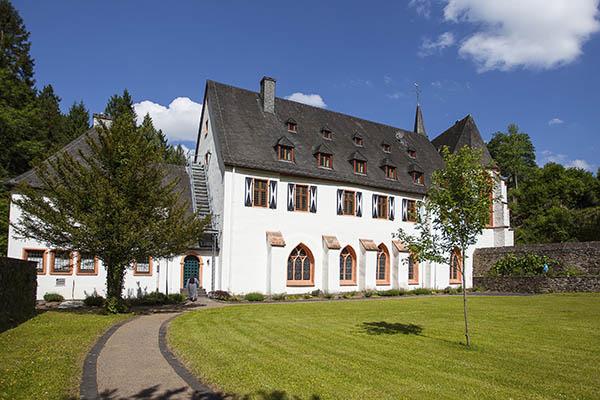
<point>302,198</point>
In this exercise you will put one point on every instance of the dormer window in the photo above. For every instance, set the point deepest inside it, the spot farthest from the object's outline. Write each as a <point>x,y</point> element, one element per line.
<point>390,172</point>
<point>326,134</point>
<point>418,178</point>
<point>358,140</point>
<point>386,148</point>
<point>360,167</point>
<point>286,153</point>
<point>412,153</point>
<point>285,149</point>
<point>292,126</point>
<point>325,160</point>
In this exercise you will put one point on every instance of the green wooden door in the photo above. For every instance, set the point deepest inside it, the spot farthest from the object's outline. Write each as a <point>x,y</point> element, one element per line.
<point>191,267</point>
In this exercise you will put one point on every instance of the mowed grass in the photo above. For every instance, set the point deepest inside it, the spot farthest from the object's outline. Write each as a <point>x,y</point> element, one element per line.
<point>534,347</point>
<point>43,357</point>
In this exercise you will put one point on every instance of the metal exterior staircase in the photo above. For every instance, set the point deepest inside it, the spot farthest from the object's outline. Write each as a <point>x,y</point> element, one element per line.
<point>201,198</point>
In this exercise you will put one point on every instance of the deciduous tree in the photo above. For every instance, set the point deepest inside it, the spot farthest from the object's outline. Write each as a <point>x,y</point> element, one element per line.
<point>114,201</point>
<point>454,213</point>
<point>513,152</point>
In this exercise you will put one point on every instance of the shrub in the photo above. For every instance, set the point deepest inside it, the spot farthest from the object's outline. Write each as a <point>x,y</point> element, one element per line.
<point>349,295</point>
<point>292,297</point>
<point>392,292</point>
<point>316,293</point>
<point>526,265</point>
<point>114,305</point>
<point>235,298</point>
<point>278,297</point>
<point>175,298</point>
<point>254,296</point>
<point>94,300</point>
<point>368,293</point>
<point>220,295</point>
<point>53,297</point>
<point>476,289</point>
<point>327,295</point>
<point>451,290</point>
<point>420,291</point>
<point>150,299</point>
<point>307,296</point>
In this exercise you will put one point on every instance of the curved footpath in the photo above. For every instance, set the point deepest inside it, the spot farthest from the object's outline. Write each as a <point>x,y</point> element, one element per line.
<point>132,361</point>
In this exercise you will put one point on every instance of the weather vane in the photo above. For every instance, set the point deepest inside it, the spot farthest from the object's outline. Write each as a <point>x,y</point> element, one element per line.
<point>418,91</point>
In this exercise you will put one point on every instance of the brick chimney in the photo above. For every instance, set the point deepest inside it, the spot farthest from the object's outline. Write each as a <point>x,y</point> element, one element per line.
<point>267,94</point>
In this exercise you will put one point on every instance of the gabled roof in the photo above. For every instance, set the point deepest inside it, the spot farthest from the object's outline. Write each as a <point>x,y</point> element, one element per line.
<point>463,133</point>
<point>245,135</point>
<point>283,141</point>
<point>357,155</point>
<point>323,149</point>
<point>386,162</point>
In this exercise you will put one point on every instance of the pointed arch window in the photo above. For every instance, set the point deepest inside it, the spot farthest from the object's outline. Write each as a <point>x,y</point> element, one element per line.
<point>383,265</point>
<point>300,267</point>
<point>347,267</point>
<point>413,270</point>
<point>456,266</point>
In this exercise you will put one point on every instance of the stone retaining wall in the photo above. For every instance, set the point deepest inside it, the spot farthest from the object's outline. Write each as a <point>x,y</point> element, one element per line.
<point>538,284</point>
<point>18,286</point>
<point>583,257</point>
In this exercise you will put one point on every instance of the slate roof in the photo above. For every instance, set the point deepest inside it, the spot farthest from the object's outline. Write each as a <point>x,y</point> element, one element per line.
<point>464,133</point>
<point>245,136</point>
<point>80,144</point>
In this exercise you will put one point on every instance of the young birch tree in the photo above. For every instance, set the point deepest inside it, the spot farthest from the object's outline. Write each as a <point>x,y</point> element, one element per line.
<point>115,202</point>
<point>455,212</point>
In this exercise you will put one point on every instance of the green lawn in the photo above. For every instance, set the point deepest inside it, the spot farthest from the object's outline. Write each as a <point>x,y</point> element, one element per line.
<point>535,347</point>
<point>43,357</point>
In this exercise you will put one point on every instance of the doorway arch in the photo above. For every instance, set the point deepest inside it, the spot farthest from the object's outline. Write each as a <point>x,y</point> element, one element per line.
<point>191,265</point>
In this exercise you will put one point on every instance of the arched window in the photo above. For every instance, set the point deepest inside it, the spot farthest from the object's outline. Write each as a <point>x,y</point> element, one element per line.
<point>383,266</point>
<point>347,267</point>
<point>455,266</point>
<point>300,267</point>
<point>413,271</point>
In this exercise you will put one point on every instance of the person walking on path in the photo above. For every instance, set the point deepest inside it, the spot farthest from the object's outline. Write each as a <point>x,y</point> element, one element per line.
<point>192,285</point>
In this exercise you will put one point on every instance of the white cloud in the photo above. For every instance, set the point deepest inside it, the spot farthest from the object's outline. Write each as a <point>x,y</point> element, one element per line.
<point>539,34</point>
<point>422,7</point>
<point>178,121</point>
<point>429,47</point>
<point>549,156</point>
<point>387,79</point>
<point>310,99</point>
<point>555,121</point>
<point>436,84</point>
<point>397,95</point>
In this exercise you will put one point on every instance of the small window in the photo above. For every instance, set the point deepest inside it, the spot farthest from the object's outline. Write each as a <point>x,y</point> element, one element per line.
<point>61,262</point>
<point>327,134</point>
<point>86,263</point>
<point>325,160</point>
<point>418,178</point>
<point>143,268</point>
<point>206,128</point>
<point>358,141</point>
<point>349,201</point>
<point>411,210</point>
<point>347,267</point>
<point>390,172</point>
<point>413,271</point>
<point>286,153</point>
<point>382,207</point>
<point>260,193</point>
<point>38,256</point>
<point>412,153</point>
<point>360,167</point>
<point>292,126</point>
<point>386,148</point>
<point>207,158</point>
<point>455,266</point>
<point>301,198</point>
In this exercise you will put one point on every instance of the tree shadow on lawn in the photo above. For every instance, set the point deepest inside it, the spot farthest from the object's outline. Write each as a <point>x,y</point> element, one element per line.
<point>387,328</point>
<point>155,393</point>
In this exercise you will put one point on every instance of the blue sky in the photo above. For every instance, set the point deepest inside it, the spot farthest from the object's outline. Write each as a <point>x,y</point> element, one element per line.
<point>531,62</point>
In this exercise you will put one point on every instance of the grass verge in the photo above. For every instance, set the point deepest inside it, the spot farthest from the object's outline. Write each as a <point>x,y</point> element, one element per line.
<point>43,357</point>
<point>532,347</point>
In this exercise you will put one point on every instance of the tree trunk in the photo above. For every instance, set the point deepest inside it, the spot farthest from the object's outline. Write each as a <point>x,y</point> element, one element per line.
<point>114,280</point>
<point>464,286</point>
